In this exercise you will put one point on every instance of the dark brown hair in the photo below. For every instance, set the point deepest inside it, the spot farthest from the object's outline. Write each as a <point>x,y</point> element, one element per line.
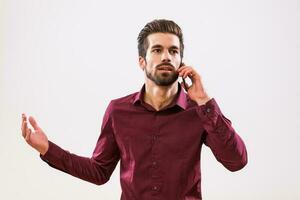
<point>158,26</point>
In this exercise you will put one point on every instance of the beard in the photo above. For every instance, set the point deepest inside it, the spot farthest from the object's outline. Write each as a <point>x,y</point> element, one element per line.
<point>162,78</point>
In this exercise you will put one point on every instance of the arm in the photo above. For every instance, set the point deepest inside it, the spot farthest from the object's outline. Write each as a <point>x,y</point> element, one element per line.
<point>225,143</point>
<point>96,169</point>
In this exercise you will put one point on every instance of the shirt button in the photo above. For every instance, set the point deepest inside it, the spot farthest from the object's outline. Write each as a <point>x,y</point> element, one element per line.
<point>155,188</point>
<point>154,165</point>
<point>208,110</point>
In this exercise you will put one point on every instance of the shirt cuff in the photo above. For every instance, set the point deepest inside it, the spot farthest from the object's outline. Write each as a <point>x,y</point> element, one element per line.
<point>53,155</point>
<point>209,112</point>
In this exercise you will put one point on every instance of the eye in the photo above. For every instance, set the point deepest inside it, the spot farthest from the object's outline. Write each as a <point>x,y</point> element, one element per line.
<point>174,51</point>
<point>156,50</point>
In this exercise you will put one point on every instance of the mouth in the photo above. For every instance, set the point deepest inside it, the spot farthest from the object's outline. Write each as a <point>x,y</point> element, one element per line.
<point>165,68</point>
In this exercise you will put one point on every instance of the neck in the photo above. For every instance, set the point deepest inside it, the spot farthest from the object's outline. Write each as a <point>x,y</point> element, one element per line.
<point>159,96</point>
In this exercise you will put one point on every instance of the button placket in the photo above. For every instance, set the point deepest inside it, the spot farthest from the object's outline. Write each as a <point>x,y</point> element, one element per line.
<point>154,161</point>
<point>155,175</point>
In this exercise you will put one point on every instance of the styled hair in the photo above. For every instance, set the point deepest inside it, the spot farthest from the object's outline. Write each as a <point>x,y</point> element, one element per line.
<point>158,26</point>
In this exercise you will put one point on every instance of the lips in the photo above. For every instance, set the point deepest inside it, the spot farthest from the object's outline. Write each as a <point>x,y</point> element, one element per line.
<point>165,67</point>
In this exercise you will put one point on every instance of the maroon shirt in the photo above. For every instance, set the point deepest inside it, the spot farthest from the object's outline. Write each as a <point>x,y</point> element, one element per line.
<point>159,150</point>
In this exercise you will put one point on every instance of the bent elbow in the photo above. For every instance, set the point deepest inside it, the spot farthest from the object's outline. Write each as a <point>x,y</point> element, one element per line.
<point>238,166</point>
<point>100,182</point>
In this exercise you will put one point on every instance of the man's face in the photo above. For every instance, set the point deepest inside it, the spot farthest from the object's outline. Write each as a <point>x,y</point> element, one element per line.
<point>162,58</point>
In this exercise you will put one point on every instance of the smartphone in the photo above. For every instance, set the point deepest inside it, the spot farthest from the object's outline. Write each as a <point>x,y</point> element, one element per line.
<point>183,80</point>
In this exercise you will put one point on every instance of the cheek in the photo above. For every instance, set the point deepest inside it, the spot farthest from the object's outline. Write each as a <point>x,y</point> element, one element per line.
<point>150,62</point>
<point>149,58</point>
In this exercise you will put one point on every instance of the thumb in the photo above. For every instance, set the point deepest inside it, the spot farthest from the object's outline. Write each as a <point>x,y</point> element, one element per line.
<point>33,123</point>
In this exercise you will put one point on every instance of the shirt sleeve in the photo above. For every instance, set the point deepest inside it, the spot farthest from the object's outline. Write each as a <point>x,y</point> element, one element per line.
<point>226,145</point>
<point>96,169</point>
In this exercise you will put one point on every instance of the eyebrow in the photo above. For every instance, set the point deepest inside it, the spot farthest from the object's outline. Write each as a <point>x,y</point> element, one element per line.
<point>160,46</point>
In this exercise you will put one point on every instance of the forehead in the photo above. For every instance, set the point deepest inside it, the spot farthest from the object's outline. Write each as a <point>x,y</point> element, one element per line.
<point>164,39</point>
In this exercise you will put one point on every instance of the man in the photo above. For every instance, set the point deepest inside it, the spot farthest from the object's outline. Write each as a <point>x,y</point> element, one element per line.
<point>157,133</point>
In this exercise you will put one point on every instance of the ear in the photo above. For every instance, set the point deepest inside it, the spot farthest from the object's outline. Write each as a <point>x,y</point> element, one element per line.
<point>142,63</point>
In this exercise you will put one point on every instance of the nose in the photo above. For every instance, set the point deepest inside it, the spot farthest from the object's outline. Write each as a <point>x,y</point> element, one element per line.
<point>166,57</point>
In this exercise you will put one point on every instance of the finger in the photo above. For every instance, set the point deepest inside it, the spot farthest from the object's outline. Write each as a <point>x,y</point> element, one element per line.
<point>24,128</point>
<point>23,116</point>
<point>26,131</point>
<point>181,72</point>
<point>185,70</point>
<point>188,73</point>
<point>24,125</point>
<point>23,122</point>
<point>182,68</point>
<point>28,134</point>
<point>23,119</point>
<point>33,123</point>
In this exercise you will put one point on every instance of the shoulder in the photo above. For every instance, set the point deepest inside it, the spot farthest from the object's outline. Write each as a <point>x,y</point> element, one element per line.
<point>122,102</point>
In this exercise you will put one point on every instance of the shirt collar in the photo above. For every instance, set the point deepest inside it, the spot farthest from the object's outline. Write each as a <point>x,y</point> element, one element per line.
<point>180,99</point>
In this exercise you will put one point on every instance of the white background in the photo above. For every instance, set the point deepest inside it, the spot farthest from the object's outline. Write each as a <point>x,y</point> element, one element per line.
<point>62,61</point>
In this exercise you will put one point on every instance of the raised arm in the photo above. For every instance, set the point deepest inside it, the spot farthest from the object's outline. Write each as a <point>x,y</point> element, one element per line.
<point>225,143</point>
<point>97,169</point>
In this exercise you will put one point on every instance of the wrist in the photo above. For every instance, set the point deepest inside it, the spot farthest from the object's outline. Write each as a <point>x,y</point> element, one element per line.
<point>202,101</point>
<point>44,149</point>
